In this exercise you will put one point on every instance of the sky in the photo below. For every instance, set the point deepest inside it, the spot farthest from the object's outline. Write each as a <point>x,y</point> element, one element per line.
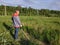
<point>37,4</point>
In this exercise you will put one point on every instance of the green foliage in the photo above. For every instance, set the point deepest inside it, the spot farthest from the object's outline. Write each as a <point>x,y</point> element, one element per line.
<point>44,29</point>
<point>29,11</point>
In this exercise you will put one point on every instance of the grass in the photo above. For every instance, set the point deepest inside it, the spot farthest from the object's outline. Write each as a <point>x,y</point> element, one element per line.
<point>41,31</point>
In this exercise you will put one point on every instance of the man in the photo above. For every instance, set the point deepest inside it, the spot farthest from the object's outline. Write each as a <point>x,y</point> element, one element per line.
<point>16,23</point>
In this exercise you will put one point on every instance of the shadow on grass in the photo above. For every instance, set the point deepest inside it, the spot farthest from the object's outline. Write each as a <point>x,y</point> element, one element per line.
<point>26,42</point>
<point>9,28</point>
<point>48,36</point>
<point>37,35</point>
<point>56,22</point>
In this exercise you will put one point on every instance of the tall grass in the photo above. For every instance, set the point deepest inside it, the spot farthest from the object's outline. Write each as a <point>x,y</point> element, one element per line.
<point>44,29</point>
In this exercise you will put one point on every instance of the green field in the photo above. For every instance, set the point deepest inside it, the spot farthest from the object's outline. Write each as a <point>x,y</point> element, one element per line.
<point>38,30</point>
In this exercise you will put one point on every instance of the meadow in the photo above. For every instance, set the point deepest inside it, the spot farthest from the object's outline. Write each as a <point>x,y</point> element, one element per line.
<point>37,30</point>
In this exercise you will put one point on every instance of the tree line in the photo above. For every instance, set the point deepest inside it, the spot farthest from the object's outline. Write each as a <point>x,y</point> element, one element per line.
<point>24,11</point>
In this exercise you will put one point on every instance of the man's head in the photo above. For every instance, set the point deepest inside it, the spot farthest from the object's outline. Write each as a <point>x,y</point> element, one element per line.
<point>17,11</point>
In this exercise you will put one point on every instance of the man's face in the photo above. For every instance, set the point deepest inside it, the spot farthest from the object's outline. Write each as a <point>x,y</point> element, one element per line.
<point>17,12</point>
